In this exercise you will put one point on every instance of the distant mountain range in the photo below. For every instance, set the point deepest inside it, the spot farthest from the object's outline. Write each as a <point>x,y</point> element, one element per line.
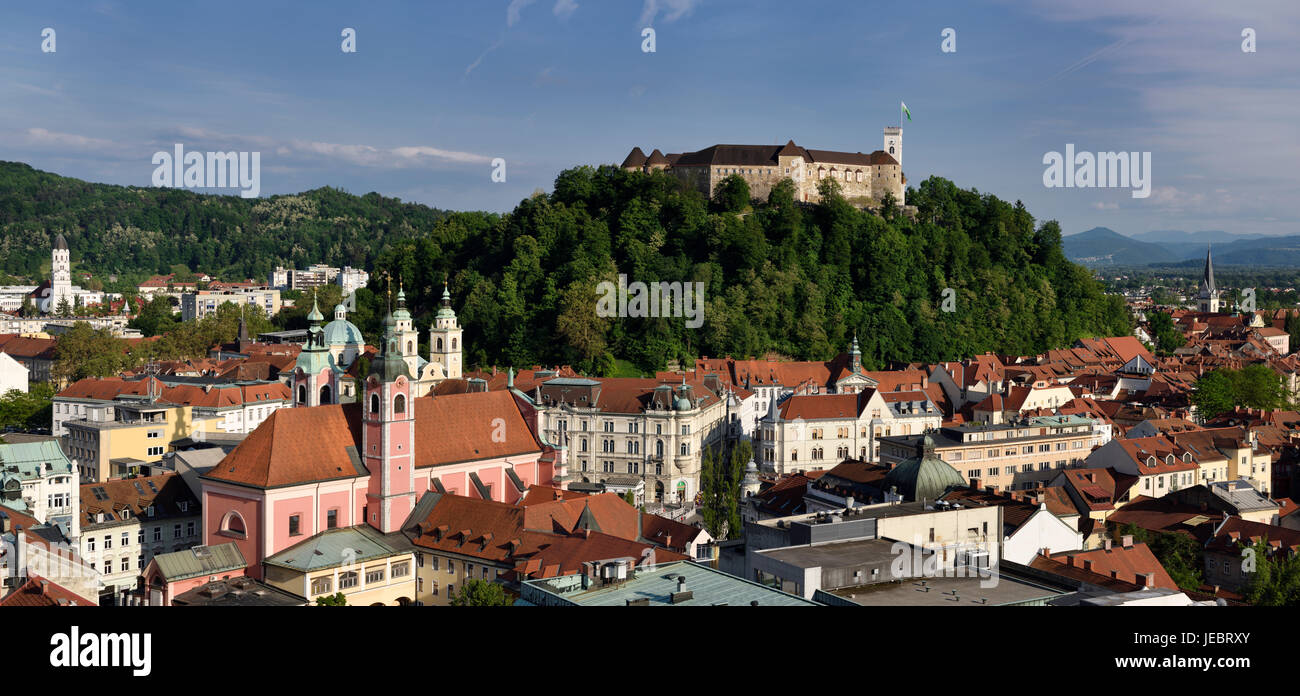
<point>1101,246</point>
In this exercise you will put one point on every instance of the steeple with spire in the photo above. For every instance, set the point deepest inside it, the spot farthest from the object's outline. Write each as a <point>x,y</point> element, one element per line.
<point>315,374</point>
<point>445,338</point>
<point>1208,298</point>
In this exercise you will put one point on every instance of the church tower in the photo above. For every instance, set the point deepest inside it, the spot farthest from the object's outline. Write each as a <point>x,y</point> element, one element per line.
<point>315,375</point>
<point>60,274</point>
<point>388,435</point>
<point>445,338</point>
<point>408,339</point>
<point>1208,299</point>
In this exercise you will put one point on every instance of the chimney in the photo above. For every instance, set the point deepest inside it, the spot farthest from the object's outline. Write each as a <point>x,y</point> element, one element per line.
<point>1147,579</point>
<point>1127,541</point>
<point>1114,575</point>
<point>1070,560</point>
<point>1106,544</point>
<point>681,583</point>
<point>1087,565</point>
<point>45,587</point>
<point>975,484</point>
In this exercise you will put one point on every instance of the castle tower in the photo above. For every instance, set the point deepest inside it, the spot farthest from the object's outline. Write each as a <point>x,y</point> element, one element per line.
<point>445,339</point>
<point>894,143</point>
<point>388,435</point>
<point>60,274</point>
<point>315,375</point>
<point>855,356</point>
<point>1208,299</point>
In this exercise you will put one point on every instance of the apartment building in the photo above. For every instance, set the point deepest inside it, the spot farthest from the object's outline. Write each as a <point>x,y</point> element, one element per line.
<point>126,522</point>
<point>234,407</point>
<point>628,433</point>
<point>38,479</point>
<point>201,303</point>
<point>814,432</point>
<point>1020,455</point>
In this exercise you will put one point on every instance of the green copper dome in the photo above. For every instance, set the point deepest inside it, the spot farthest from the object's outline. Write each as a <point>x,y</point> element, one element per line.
<point>924,476</point>
<point>401,312</point>
<point>342,332</point>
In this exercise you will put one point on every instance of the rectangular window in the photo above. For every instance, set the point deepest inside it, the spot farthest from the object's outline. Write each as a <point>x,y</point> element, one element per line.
<point>451,567</point>
<point>294,529</point>
<point>401,570</point>
<point>126,563</point>
<point>189,529</point>
<point>126,539</point>
<point>108,541</point>
<point>157,533</point>
<point>90,544</point>
<point>139,537</point>
<point>374,576</point>
<point>433,562</point>
<point>321,585</point>
<point>347,580</point>
<point>331,519</point>
<point>176,531</point>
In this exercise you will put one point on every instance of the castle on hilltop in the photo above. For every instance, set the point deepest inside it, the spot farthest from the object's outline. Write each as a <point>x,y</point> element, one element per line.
<point>861,176</point>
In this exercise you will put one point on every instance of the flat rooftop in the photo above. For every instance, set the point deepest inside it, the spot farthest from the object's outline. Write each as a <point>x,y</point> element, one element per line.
<point>939,592</point>
<point>836,554</point>
<point>707,586</point>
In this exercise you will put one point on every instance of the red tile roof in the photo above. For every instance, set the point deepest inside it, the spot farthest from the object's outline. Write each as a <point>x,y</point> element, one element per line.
<point>306,444</point>
<point>39,592</point>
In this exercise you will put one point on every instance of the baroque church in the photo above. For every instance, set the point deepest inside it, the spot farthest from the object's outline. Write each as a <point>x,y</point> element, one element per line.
<point>328,368</point>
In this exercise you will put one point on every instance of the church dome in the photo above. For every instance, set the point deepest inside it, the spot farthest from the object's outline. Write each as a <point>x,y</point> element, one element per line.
<point>924,476</point>
<point>342,332</point>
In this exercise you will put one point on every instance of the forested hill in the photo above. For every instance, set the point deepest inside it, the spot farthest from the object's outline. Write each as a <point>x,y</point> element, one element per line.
<point>144,230</point>
<point>778,275</point>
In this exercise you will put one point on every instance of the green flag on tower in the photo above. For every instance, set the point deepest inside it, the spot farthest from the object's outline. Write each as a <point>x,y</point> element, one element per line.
<point>905,111</point>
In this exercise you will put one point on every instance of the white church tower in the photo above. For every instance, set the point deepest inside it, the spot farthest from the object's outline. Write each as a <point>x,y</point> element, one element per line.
<point>60,275</point>
<point>445,339</point>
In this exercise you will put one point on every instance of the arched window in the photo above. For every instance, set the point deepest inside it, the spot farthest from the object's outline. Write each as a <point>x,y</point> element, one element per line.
<point>302,394</point>
<point>399,404</point>
<point>233,525</point>
<point>453,344</point>
<point>440,345</point>
<point>659,448</point>
<point>374,403</point>
<point>409,348</point>
<point>325,394</point>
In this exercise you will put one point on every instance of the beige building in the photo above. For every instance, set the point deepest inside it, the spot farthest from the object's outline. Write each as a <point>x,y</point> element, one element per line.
<point>630,433</point>
<point>356,561</point>
<point>815,432</point>
<point>1012,456</point>
<point>142,433</point>
<point>864,178</point>
<point>201,303</point>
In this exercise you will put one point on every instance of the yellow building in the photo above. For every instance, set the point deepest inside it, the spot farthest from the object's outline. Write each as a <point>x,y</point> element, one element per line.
<point>356,561</point>
<point>112,449</point>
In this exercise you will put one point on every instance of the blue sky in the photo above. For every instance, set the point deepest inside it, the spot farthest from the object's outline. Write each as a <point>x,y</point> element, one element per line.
<point>436,90</point>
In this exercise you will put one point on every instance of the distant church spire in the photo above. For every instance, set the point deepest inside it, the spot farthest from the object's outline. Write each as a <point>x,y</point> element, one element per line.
<point>1208,298</point>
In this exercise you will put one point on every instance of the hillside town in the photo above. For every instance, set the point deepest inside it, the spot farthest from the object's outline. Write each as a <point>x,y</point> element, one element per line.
<point>324,466</point>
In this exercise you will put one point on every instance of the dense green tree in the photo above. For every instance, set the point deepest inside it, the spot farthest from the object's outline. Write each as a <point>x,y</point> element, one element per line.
<point>338,599</point>
<point>1164,333</point>
<point>780,275</point>
<point>82,352</point>
<point>481,593</point>
<point>731,194</point>
<point>1275,579</point>
<point>1254,386</point>
<point>30,409</point>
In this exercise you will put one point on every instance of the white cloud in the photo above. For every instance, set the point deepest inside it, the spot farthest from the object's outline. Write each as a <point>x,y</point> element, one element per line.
<point>672,9</point>
<point>512,12</point>
<point>564,8</point>
<point>46,137</point>
<point>1102,205</point>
